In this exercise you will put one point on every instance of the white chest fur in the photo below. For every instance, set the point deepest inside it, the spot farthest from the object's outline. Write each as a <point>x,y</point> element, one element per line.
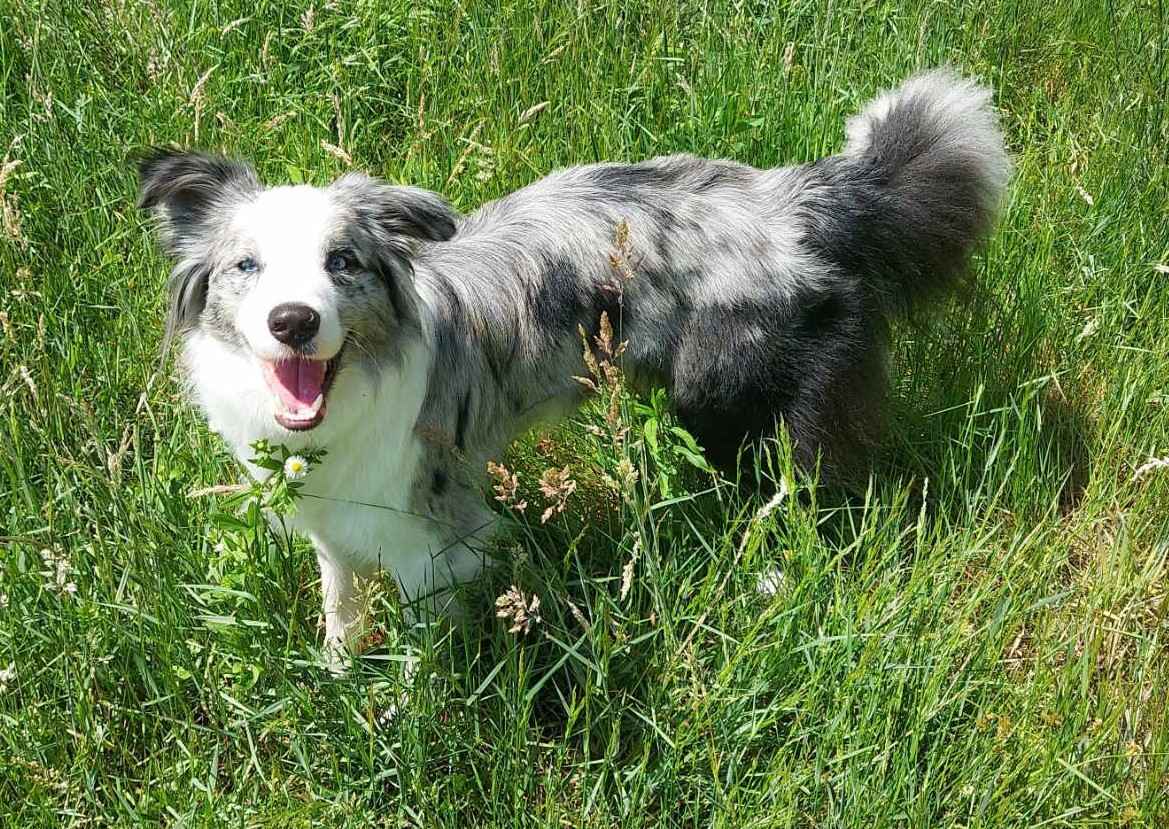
<point>357,507</point>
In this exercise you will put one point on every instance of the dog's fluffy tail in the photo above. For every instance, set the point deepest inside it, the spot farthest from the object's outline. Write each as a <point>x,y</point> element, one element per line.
<point>918,185</point>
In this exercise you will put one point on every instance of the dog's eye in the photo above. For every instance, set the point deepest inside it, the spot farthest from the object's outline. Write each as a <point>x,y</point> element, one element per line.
<point>338,261</point>
<point>248,265</point>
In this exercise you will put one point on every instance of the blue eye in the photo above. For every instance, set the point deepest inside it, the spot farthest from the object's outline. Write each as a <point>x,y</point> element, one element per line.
<point>338,261</point>
<point>248,265</point>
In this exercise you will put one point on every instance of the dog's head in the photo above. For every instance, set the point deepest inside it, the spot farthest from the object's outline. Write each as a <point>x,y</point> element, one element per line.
<point>293,284</point>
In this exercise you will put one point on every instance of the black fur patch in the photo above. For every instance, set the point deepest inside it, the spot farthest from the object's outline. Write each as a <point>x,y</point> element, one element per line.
<point>815,363</point>
<point>392,268</point>
<point>461,421</point>
<point>646,174</point>
<point>188,297</point>
<point>555,303</point>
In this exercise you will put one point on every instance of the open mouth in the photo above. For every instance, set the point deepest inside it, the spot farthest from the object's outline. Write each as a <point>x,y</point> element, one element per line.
<point>300,386</point>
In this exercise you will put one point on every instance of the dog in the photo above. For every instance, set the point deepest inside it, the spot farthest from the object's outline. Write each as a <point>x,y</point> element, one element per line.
<point>414,343</point>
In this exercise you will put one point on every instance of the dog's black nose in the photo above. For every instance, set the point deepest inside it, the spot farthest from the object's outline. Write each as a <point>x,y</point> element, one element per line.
<point>293,323</point>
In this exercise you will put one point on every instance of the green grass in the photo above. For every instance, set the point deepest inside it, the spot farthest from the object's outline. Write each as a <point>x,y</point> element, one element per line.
<point>980,639</point>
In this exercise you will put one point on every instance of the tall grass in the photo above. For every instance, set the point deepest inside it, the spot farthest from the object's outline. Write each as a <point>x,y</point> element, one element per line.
<point>977,639</point>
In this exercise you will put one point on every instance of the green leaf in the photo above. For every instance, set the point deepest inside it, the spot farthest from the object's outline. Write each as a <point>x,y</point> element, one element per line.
<point>686,438</point>
<point>693,458</point>
<point>225,521</point>
<point>650,430</point>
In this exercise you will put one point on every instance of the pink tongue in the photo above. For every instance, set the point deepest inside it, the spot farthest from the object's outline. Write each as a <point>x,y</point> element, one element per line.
<point>297,382</point>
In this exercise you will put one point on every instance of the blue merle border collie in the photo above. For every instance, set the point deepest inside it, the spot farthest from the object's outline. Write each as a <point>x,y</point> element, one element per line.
<point>413,343</point>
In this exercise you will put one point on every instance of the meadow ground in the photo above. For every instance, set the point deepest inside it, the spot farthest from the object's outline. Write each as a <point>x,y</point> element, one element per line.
<point>979,639</point>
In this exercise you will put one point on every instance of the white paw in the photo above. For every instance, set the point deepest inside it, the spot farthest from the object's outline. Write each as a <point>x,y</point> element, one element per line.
<point>390,713</point>
<point>335,657</point>
<point>770,583</point>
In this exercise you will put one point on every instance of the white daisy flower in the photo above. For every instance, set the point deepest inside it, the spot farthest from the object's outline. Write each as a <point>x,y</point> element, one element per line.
<point>295,468</point>
<point>7,675</point>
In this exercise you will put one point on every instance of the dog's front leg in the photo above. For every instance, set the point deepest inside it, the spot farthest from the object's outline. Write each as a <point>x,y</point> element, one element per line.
<point>344,609</point>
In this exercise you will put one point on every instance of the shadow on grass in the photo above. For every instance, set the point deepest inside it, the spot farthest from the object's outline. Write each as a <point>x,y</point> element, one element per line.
<point>597,665</point>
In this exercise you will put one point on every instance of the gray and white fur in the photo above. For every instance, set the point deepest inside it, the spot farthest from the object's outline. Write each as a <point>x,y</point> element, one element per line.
<point>758,297</point>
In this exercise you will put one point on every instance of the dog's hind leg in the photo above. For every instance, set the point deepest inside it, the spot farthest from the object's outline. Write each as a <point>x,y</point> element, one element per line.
<point>427,587</point>
<point>814,362</point>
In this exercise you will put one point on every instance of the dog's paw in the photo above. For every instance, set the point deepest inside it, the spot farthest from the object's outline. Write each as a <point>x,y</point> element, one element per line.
<point>409,674</point>
<point>389,715</point>
<point>335,657</point>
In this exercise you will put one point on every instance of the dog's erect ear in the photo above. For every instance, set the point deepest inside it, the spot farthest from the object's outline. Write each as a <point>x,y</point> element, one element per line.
<point>181,187</point>
<point>397,212</point>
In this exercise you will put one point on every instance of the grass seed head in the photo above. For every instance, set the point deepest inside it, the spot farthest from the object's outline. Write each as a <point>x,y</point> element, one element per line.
<point>524,613</point>
<point>556,485</point>
<point>506,485</point>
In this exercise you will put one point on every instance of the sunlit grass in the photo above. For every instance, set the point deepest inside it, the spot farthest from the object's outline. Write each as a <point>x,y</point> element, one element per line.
<point>978,638</point>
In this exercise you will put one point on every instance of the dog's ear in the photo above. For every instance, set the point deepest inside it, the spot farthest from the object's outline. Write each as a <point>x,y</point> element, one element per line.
<point>182,190</point>
<point>396,213</point>
<point>181,187</point>
<point>412,211</point>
